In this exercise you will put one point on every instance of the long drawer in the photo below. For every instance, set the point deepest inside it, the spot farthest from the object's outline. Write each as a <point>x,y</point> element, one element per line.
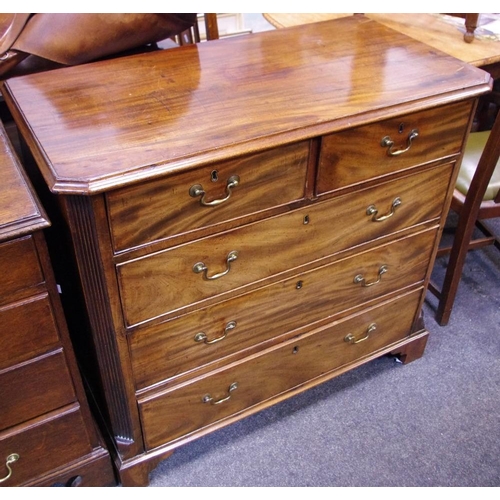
<point>34,388</point>
<point>178,346</point>
<point>183,410</point>
<point>207,196</point>
<point>356,155</point>
<point>28,329</point>
<point>38,447</point>
<point>169,280</point>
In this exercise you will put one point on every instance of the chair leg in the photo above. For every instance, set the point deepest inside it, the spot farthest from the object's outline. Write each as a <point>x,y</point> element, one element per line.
<point>455,266</point>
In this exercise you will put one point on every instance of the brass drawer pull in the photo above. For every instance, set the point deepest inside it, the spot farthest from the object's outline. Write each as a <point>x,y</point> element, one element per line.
<point>360,279</point>
<point>14,457</point>
<point>388,143</point>
<point>373,211</point>
<point>352,339</point>
<point>197,190</point>
<point>202,337</point>
<point>209,399</point>
<point>200,267</point>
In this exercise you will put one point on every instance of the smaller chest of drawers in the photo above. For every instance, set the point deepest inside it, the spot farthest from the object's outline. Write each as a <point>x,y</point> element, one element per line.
<point>47,434</point>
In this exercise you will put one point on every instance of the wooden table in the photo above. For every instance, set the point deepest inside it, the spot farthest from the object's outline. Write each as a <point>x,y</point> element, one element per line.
<point>250,217</point>
<point>431,29</point>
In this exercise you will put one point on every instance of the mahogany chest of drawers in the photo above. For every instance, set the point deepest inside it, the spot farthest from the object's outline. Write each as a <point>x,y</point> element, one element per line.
<point>250,216</point>
<point>47,434</point>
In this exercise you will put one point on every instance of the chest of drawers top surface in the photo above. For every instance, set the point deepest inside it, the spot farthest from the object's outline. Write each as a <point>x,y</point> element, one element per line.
<point>110,123</point>
<point>20,212</point>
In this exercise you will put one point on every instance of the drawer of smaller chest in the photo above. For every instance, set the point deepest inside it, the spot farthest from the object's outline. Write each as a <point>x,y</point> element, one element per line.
<point>169,280</point>
<point>175,347</point>
<point>19,267</point>
<point>36,448</point>
<point>33,388</point>
<point>207,196</point>
<point>372,151</point>
<point>28,329</point>
<point>192,407</point>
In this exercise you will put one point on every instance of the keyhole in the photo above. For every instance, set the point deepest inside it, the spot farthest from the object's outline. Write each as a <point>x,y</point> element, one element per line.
<point>214,176</point>
<point>401,128</point>
<point>295,349</point>
<point>299,285</point>
<point>306,219</point>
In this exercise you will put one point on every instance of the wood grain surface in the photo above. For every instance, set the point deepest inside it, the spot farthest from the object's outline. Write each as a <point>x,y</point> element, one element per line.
<point>111,123</point>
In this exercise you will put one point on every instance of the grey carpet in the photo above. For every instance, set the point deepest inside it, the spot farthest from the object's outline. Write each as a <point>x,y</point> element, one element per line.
<point>433,422</point>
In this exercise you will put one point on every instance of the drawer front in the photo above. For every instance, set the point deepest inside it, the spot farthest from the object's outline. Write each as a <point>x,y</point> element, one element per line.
<point>19,267</point>
<point>181,411</point>
<point>210,334</point>
<point>166,281</point>
<point>94,470</point>
<point>167,207</point>
<point>43,446</point>
<point>356,155</point>
<point>34,388</point>
<point>28,330</point>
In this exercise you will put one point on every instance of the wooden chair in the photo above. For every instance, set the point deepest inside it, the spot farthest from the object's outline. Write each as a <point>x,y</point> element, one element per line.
<point>476,197</point>
<point>193,35</point>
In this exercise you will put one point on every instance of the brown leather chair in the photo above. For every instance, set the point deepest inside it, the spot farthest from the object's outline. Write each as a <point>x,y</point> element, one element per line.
<point>32,43</point>
<point>476,198</point>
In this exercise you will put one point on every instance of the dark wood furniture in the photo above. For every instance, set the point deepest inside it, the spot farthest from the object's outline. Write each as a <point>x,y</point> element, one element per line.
<point>250,217</point>
<point>475,199</point>
<point>47,434</point>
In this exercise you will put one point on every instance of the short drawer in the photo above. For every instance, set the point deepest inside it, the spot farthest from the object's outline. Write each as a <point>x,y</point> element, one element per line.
<point>207,196</point>
<point>194,340</point>
<point>34,388</point>
<point>179,412</point>
<point>168,280</point>
<point>19,267</point>
<point>41,446</point>
<point>356,155</point>
<point>28,330</point>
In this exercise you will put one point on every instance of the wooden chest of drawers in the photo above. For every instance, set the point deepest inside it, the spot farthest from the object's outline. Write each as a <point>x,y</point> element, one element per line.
<point>250,217</point>
<point>47,435</point>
